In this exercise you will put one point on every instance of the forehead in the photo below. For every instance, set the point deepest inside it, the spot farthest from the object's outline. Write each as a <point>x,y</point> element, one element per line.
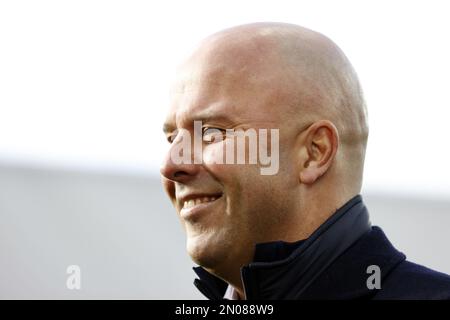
<point>219,90</point>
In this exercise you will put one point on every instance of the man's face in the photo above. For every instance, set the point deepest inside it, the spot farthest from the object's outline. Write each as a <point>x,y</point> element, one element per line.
<point>226,208</point>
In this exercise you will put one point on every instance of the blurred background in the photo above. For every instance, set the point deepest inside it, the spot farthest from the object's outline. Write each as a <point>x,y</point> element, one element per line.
<point>83,94</point>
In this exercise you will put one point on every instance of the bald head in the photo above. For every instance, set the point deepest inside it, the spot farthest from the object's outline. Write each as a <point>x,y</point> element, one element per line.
<point>299,76</point>
<point>305,65</point>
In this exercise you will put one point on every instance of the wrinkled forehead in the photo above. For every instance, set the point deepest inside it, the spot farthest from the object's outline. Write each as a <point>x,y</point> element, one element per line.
<point>240,82</point>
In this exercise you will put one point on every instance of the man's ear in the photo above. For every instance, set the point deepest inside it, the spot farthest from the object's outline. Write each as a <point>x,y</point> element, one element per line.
<point>318,150</point>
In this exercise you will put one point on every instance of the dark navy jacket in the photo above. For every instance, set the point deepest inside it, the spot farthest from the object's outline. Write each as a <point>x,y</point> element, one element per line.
<point>333,264</point>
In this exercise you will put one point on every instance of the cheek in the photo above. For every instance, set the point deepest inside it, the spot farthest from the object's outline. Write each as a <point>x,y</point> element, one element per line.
<point>243,183</point>
<point>169,187</point>
<point>232,175</point>
<point>213,161</point>
<point>214,154</point>
<point>264,194</point>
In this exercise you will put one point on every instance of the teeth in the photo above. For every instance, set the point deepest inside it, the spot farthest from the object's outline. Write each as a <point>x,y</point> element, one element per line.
<point>197,201</point>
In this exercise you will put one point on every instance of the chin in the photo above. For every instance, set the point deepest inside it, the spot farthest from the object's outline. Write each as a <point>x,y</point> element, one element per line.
<point>206,250</point>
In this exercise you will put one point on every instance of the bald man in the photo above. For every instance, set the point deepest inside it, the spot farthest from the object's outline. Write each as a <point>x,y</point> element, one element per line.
<point>299,230</point>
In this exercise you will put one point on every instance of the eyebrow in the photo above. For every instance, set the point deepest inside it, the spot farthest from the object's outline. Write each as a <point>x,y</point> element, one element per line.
<point>167,128</point>
<point>207,116</point>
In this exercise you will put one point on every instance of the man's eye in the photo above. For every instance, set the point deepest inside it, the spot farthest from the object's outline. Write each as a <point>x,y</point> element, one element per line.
<point>211,135</point>
<point>171,137</point>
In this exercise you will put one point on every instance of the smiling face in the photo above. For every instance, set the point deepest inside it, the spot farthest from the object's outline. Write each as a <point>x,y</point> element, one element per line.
<point>227,208</point>
<point>262,76</point>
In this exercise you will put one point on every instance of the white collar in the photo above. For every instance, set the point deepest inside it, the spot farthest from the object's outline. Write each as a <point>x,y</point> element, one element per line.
<point>231,293</point>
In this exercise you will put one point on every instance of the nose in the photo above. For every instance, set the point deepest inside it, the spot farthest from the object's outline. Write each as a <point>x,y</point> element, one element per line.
<point>175,170</point>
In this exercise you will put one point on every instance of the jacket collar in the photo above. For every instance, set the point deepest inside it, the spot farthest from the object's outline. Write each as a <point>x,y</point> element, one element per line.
<point>347,277</point>
<point>282,270</point>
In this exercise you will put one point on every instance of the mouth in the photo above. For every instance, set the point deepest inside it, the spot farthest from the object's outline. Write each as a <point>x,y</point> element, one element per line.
<point>197,205</point>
